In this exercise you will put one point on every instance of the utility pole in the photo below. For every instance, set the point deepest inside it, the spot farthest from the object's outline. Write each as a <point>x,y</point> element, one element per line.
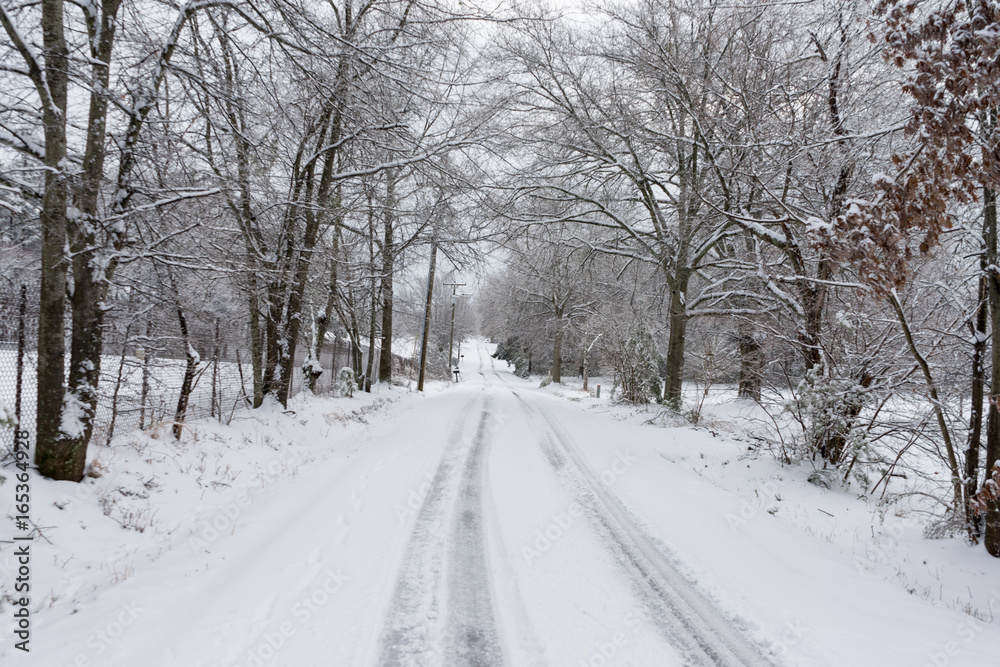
<point>451,339</point>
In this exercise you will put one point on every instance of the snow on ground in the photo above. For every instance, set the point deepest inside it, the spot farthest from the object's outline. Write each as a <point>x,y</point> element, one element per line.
<point>486,522</point>
<point>883,539</point>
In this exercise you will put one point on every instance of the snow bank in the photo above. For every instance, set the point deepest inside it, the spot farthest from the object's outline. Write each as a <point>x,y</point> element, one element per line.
<point>149,500</point>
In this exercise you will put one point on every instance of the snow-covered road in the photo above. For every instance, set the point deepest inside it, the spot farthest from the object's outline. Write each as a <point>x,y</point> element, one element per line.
<point>494,524</point>
<point>444,608</point>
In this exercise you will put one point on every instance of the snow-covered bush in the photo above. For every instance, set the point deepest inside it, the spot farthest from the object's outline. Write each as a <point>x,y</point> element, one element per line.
<point>311,369</point>
<point>514,352</point>
<point>636,362</point>
<point>7,418</point>
<point>345,385</point>
<point>828,409</point>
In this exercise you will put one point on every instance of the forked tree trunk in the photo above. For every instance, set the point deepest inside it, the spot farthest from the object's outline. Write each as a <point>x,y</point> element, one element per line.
<point>94,262</point>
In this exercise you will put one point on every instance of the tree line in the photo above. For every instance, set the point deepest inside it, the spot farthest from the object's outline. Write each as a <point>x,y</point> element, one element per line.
<point>809,188</point>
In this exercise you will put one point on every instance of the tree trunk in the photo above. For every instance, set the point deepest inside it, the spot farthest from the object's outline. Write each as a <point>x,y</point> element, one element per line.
<point>310,200</point>
<point>992,536</point>
<point>370,368</point>
<point>334,357</point>
<point>388,266</point>
<point>190,369</point>
<point>118,382</point>
<point>979,338</point>
<point>675,344</point>
<point>93,262</point>
<point>293,310</point>
<point>385,354</point>
<point>87,337</point>
<point>357,357</point>
<point>216,390</point>
<point>256,351</point>
<point>956,477</point>
<point>272,338</point>
<point>144,396</point>
<point>323,322</point>
<point>557,344</point>
<point>833,450</point>
<point>253,240</point>
<point>57,457</point>
<point>812,327</point>
<point>751,361</point>
<point>425,336</point>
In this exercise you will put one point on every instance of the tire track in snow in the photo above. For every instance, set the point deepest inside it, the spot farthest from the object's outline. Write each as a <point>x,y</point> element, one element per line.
<point>689,621</point>
<point>449,522</point>
<point>408,635</point>
<point>472,637</point>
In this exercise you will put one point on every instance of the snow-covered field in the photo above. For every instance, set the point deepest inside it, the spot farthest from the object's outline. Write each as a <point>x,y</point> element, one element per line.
<point>486,522</point>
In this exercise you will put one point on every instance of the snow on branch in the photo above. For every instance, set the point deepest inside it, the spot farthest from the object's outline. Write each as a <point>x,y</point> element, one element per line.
<point>35,70</point>
<point>22,143</point>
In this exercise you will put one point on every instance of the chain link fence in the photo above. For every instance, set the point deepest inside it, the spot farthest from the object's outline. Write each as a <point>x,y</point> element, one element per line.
<point>141,369</point>
<point>18,354</point>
